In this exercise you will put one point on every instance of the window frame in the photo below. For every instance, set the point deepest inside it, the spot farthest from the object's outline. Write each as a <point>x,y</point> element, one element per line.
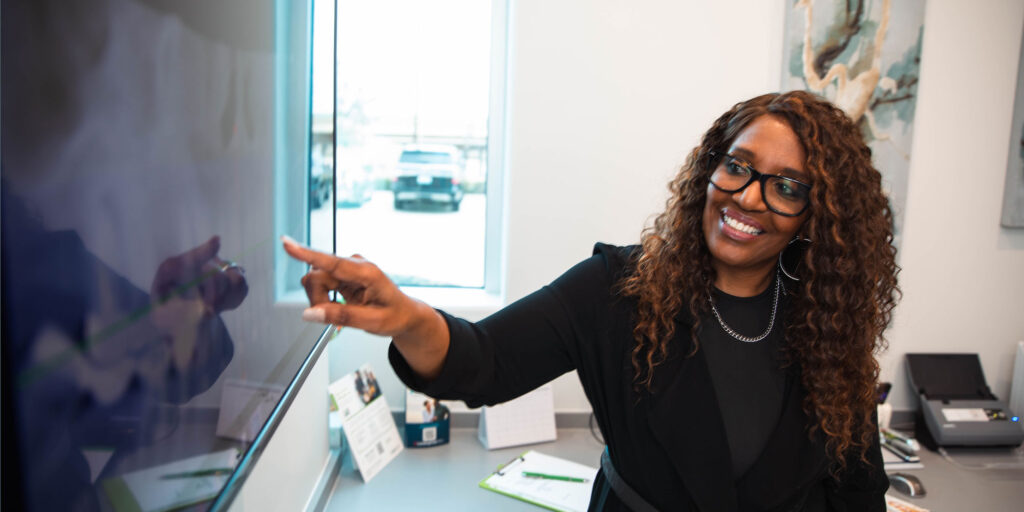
<point>492,295</point>
<point>495,237</point>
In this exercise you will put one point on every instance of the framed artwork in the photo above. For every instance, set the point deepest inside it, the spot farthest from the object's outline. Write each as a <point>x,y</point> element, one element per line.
<point>1013,195</point>
<point>864,56</point>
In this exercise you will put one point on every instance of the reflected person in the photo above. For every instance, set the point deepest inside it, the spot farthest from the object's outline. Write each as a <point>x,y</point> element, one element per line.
<point>111,304</point>
<point>94,356</point>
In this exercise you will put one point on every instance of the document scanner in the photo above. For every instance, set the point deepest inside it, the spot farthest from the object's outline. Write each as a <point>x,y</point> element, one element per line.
<point>957,405</point>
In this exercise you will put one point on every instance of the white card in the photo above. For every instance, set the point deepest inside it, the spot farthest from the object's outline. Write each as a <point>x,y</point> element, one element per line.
<point>366,421</point>
<point>527,419</point>
<point>964,414</point>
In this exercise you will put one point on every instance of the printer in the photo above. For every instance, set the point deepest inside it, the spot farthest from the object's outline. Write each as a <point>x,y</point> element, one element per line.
<point>957,406</point>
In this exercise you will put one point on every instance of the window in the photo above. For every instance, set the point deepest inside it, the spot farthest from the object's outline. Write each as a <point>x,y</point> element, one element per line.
<point>406,130</point>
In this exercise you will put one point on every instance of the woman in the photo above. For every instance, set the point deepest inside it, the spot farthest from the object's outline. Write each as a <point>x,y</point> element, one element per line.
<point>726,371</point>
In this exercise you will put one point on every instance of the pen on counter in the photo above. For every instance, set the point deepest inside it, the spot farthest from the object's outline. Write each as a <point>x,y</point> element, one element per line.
<point>901,452</point>
<point>200,473</point>
<point>894,436</point>
<point>554,477</point>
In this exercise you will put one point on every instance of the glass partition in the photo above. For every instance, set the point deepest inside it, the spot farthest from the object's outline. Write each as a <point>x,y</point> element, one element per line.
<point>153,151</point>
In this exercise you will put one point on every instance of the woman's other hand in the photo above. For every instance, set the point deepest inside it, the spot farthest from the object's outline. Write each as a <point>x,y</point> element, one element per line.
<point>373,303</point>
<point>188,290</point>
<point>219,285</point>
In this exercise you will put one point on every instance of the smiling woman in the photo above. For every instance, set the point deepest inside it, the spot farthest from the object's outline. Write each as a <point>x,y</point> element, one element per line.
<point>693,336</point>
<point>843,301</point>
<point>744,233</point>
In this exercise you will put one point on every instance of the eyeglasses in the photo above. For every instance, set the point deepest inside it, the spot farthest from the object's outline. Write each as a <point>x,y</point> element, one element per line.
<point>785,196</point>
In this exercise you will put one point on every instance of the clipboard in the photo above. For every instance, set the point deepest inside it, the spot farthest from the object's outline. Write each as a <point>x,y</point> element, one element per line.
<point>558,495</point>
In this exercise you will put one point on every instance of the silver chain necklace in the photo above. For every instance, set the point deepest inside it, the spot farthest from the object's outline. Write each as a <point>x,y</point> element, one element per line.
<point>747,339</point>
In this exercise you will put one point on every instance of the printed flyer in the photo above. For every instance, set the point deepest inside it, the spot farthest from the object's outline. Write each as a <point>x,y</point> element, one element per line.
<point>366,421</point>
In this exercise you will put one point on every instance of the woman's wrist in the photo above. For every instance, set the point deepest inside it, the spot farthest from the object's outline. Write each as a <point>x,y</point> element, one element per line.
<point>424,342</point>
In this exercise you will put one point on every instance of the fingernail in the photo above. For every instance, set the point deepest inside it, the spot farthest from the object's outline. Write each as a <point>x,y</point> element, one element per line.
<point>289,240</point>
<point>314,315</point>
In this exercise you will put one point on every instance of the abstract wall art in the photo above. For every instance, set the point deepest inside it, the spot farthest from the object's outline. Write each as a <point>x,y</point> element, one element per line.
<point>864,56</point>
<point>1013,195</point>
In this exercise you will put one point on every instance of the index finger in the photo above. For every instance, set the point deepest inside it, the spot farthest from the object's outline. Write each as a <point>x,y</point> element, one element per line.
<point>196,257</point>
<point>323,261</point>
<point>302,253</point>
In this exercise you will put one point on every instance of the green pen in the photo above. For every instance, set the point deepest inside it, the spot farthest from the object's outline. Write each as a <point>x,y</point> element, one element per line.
<point>200,473</point>
<point>554,477</point>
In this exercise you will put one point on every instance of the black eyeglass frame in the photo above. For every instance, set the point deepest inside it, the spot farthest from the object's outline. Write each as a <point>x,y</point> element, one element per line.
<point>755,175</point>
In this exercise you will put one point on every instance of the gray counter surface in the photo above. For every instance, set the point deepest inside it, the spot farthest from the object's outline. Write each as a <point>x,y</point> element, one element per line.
<point>446,477</point>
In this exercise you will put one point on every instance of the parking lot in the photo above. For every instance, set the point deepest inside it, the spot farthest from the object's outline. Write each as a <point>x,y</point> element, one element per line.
<point>420,245</point>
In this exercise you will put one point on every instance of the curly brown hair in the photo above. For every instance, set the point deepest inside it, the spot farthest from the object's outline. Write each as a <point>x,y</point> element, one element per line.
<point>844,299</point>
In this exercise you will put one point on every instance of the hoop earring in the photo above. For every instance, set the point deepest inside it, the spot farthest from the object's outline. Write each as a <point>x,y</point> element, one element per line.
<point>792,255</point>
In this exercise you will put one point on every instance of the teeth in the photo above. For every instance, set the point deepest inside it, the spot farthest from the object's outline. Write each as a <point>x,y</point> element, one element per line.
<point>739,226</point>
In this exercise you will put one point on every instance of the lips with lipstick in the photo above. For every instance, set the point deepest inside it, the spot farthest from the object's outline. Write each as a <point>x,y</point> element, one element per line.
<point>745,226</point>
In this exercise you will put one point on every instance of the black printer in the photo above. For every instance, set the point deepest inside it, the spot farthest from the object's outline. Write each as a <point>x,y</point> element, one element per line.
<point>957,406</point>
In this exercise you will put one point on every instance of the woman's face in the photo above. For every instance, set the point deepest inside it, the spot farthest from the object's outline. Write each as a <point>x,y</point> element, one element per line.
<point>743,235</point>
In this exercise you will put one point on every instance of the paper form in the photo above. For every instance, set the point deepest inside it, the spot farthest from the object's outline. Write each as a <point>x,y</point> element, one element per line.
<point>553,494</point>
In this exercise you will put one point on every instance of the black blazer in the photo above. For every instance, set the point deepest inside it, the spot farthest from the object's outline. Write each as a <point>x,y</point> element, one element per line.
<point>668,444</point>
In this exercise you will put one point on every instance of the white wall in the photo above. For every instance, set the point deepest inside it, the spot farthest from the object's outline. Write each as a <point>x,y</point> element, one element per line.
<point>963,275</point>
<point>607,99</point>
<point>608,96</point>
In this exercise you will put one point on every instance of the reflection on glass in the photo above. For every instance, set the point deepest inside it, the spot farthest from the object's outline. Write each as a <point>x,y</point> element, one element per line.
<point>412,105</point>
<point>141,351</point>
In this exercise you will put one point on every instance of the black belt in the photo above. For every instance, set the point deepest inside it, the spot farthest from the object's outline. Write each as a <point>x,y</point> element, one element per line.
<point>637,503</point>
<point>626,494</point>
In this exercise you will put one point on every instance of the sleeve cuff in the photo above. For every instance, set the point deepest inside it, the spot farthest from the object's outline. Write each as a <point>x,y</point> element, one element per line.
<point>462,349</point>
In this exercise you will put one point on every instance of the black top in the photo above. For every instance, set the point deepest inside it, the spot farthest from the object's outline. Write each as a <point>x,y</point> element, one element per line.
<point>747,376</point>
<point>668,443</point>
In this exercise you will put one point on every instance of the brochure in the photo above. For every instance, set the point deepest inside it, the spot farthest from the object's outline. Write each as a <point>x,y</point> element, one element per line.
<point>427,420</point>
<point>366,421</point>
